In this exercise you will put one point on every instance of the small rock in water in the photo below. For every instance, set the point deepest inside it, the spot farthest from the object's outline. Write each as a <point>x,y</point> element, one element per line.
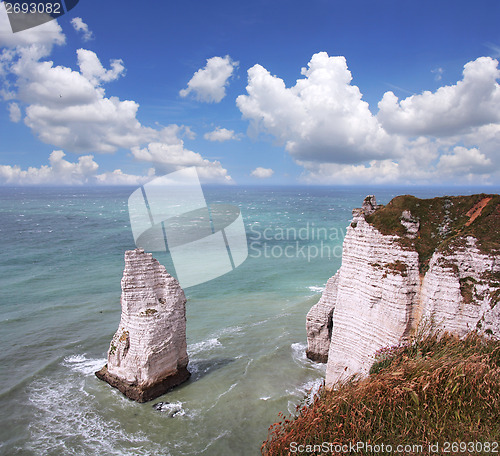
<point>166,407</point>
<point>159,405</point>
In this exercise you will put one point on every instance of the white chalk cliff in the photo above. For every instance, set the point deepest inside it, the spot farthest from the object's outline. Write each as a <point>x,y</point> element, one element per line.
<point>319,322</point>
<point>148,354</point>
<point>387,286</point>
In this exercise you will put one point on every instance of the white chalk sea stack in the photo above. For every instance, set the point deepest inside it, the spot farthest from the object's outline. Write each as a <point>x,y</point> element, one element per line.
<point>148,354</point>
<point>390,283</point>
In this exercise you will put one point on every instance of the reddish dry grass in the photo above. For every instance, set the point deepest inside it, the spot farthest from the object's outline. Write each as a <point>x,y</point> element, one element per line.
<point>436,390</point>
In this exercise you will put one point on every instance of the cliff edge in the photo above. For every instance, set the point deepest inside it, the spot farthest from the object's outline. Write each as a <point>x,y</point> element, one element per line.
<point>148,354</point>
<point>413,260</point>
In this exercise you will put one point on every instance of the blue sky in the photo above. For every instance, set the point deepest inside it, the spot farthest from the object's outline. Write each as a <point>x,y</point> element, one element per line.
<point>274,92</point>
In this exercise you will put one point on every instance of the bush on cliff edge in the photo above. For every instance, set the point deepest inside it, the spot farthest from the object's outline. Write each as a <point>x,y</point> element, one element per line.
<point>440,389</point>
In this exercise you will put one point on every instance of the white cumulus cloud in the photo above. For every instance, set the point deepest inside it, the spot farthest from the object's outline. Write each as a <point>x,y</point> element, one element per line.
<point>451,135</point>
<point>262,173</point>
<point>118,177</point>
<point>472,102</point>
<point>220,135</point>
<point>208,84</point>
<point>36,42</point>
<point>64,107</point>
<point>60,171</point>
<point>464,161</point>
<point>69,109</point>
<point>174,156</point>
<point>424,165</point>
<point>91,68</point>
<point>82,28</point>
<point>374,172</point>
<point>321,118</point>
<point>170,154</point>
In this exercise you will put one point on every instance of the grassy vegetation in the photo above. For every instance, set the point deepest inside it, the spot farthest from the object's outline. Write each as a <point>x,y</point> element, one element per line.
<point>444,222</point>
<point>435,390</point>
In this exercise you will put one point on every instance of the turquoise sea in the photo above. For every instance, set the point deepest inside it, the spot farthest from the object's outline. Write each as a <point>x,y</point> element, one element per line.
<point>60,270</point>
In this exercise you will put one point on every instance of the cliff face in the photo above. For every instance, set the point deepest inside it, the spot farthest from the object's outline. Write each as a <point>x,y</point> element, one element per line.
<point>461,290</point>
<point>319,322</point>
<point>412,259</point>
<point>147,355</point>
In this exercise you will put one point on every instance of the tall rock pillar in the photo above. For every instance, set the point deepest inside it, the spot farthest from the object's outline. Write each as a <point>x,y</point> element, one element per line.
<point>147,355</point>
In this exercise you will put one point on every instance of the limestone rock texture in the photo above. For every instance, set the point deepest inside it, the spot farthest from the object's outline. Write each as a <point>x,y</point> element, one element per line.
<point>148,354</point>
<point>319,323</point>
<point>460,291</point>
<point>377,286</point>
<point>411,262</point>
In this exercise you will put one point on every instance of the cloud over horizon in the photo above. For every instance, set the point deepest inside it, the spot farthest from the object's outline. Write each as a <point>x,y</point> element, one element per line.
<point>326,127</point>
<point>262,173</point>
<point>59,170</point>
<point>70,110</point>
<point>171,155</point>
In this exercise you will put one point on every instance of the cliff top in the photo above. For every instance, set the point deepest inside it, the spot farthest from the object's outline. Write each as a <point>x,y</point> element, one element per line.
<point>427,225</point>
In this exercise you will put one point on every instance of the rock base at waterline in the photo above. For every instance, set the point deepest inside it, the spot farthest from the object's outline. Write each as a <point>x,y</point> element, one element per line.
<point>144,393</point>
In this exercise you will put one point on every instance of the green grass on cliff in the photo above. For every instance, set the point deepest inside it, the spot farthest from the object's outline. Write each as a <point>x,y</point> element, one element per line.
<point>443,222</point>
<point>433,391</point>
